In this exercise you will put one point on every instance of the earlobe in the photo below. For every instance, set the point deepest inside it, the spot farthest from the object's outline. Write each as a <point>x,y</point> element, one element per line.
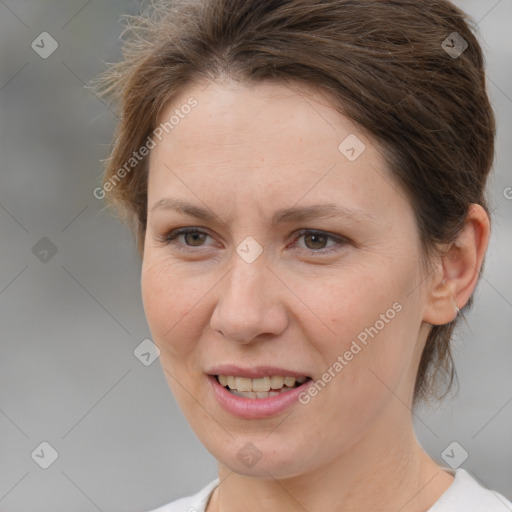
<point>458,269</point>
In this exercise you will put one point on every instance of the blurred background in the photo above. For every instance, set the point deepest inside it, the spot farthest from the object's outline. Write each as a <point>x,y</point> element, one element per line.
<point>86,423</point>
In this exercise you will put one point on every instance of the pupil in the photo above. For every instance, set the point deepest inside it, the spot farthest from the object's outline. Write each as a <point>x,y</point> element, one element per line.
<point>316,237</point>
<point>196,237</point>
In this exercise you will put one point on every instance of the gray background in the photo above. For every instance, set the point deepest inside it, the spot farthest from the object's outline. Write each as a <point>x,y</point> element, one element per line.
<point>69,326</point>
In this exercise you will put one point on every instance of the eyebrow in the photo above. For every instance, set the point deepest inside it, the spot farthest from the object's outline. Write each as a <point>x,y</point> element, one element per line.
<point>293,214</point>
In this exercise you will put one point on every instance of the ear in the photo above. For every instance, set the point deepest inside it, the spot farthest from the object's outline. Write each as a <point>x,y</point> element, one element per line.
<point>457,271</point>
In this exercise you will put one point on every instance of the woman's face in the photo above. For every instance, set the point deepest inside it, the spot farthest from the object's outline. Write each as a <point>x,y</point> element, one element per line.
<point>307,264</point>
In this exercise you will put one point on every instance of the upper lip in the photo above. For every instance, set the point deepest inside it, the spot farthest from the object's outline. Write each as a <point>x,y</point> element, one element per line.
<point>254,372</point>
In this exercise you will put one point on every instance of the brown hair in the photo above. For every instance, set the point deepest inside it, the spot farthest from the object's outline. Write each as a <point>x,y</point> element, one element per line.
<point>386,66</point>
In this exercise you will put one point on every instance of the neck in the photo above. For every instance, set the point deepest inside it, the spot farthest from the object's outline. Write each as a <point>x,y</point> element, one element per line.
<point>373,475</point>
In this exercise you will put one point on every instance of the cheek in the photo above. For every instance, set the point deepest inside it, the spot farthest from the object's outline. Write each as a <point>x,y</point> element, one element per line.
<point>176,316</point>
<point>365,361</point>
<point>346,302</point>
<point>365,322</point>
<point>172,304</point>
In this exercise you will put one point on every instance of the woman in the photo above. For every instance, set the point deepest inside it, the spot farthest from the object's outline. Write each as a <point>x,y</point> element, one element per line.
<point>306,181</point>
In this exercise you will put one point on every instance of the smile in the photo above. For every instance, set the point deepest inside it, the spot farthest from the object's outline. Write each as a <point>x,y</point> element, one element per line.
<point>262,387</point>
<point>260,397</point>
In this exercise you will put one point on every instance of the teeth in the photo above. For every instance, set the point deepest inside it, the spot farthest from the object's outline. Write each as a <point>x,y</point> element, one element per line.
<point>276,382</point>
<point>253,395</point>
<point>243,384</point>
<point>246,394</point>
<point>289,381</point>
<point>262,385</point>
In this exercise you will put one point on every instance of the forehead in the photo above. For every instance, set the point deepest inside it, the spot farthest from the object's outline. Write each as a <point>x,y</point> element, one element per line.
<point>287,141</point>
<point>235,115</point>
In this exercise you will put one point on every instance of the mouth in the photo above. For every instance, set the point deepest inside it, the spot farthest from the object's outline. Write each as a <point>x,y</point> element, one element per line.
<point>261,387</point>
<point>258,392</point>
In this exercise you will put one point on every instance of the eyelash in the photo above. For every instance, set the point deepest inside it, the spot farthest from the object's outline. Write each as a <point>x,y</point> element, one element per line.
<point>169,238</point>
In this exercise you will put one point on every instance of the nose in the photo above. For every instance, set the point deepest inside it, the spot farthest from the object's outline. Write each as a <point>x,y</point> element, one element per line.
<point>250,306</point>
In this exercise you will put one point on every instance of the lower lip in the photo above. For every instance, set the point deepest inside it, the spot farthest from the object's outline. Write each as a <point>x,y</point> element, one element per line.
<point>251,408</point>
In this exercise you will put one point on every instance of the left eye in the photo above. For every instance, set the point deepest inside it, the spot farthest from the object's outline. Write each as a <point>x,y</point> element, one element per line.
<point>316,240</point>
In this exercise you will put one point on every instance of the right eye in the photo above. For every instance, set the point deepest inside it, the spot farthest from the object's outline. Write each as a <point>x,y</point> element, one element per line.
<point>192,237</point>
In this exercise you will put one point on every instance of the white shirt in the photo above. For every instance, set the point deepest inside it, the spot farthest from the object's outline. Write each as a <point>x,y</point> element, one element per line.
<point>465,494</point>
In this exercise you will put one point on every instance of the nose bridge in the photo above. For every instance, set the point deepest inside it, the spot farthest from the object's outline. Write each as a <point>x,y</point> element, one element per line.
<point>247,304</point>
<point>245,282</point>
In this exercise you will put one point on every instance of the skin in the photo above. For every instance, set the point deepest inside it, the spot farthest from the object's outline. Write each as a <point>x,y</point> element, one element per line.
<point>244,152</point>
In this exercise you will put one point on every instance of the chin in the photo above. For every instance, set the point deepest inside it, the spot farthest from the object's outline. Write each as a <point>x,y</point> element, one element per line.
<point>262,457</point>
